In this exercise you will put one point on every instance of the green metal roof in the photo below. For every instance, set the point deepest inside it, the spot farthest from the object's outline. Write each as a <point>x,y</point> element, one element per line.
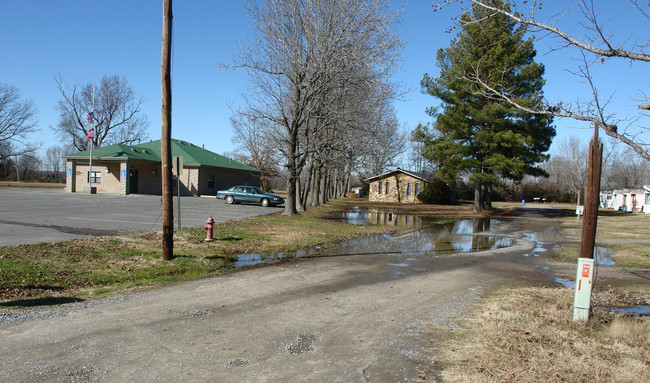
<point>150,151</point>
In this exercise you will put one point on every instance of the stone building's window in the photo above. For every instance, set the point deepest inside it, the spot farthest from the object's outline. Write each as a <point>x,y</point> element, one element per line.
<point>379,187</point>
<point>95,177</point>
<point>417,188</point>
<point>408,189</point>
<point>386,187</point>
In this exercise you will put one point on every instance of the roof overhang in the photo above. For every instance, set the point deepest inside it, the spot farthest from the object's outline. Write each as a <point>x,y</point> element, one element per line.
<point>396,171</point>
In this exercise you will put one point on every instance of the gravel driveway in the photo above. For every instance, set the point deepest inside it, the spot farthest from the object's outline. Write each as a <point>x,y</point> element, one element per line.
<point>369,317</point>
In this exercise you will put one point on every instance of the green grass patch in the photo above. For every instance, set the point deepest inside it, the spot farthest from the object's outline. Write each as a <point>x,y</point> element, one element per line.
<point>32,271</point>
<point>101,265</point>
<point>613,225</point>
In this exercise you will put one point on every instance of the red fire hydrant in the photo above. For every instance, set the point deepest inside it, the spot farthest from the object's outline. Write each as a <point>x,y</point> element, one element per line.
<point>208,226</point>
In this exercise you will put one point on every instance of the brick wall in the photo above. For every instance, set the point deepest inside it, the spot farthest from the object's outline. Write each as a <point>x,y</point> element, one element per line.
<point>225,178</point>
<point>108,177</point>
<point>194,181</point>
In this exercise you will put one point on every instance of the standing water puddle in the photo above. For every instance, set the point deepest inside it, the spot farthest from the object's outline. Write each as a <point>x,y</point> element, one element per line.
<point>432,238</point>
<point>550,237</point>
<point>638,310</point>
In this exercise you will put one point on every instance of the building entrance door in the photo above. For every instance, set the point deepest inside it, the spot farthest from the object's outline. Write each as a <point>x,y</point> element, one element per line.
<point>133,181</point>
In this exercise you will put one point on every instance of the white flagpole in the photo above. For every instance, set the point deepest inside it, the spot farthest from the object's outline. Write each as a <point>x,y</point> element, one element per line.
<point>90,157</point>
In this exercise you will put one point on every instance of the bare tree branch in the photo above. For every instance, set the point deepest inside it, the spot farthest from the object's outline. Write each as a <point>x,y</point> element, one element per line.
<point>118,114</point>
<point>588,11</point>
<point>597,42</point>
<point>17,121</point>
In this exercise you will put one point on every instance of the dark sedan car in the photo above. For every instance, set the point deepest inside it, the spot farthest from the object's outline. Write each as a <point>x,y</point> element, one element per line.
<point>249,194</point>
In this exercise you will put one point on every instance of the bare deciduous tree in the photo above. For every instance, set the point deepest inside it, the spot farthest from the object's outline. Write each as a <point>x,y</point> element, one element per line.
<point>627,170</point>
<point>307,59</point>
<point>55,163</point>
<point>597,44</point>
<point>117,113</point>
<point>254,147</point>
<point>17,120</point>
<point>568,167</point>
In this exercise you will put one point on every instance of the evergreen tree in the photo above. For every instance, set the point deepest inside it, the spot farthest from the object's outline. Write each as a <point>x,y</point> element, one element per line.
<point>484,138</point>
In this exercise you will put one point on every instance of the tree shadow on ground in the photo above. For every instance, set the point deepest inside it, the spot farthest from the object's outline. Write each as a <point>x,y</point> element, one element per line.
<point>34,302</point>
<point>556,212</point>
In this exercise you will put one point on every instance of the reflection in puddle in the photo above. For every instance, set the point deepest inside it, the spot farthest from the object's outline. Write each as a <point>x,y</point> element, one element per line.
<point>433,238</point>
<point>363,216</point>
<point>549,236</point>
<point>359,216</point>
<point>565,282</point>
<point>435,242</point>
<point>254,259</point>
<point>601,256</point>
<point>640,310</point>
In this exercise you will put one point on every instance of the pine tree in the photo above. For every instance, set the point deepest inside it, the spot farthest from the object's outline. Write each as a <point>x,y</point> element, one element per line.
<point>487,139</point>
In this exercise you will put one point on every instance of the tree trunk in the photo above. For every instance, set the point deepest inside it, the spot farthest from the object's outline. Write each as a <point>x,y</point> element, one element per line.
<point>306,193</point>
<point>478,203</point>
<point>488,196</point>
<point>453,196</point>
<point>315,186</point>
<point>322,196</point>
<point>300,203</point>
<point>348,176</point>
<point>290,203</point>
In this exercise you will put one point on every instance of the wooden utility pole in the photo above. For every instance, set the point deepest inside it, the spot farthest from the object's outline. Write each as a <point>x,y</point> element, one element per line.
<point>592,197</point>
<point>586,264</point>
<point>165,133</point>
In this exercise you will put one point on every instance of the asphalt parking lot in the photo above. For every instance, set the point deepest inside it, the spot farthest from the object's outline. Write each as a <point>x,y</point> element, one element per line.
<point>49,215</point>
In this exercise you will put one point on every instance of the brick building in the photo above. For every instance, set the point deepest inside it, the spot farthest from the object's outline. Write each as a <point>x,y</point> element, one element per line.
<point>123,169</point>
<point>396,186</point>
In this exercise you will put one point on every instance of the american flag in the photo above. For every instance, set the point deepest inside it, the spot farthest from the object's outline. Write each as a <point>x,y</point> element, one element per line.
<point>90,117</point>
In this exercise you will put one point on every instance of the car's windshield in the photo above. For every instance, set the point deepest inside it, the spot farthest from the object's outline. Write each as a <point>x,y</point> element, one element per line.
<point>257,190</point>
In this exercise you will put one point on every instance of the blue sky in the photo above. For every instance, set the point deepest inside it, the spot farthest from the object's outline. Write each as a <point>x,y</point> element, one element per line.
<point>83,40</point>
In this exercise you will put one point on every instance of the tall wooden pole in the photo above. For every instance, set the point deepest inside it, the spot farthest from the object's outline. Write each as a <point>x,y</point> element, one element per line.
<point>592,197</point>
<point>165,133</point>
<point>586,265</point>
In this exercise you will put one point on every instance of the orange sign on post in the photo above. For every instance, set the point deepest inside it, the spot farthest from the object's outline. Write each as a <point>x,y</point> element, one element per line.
<point>586,269</point>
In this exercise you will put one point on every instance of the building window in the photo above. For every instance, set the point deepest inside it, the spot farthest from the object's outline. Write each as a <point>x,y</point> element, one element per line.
<point>417,188</point>
<point>379,188</point>
<point>210,182</point>
<point>95,177</point>
<point>408,189</point>
<point>387,187</point>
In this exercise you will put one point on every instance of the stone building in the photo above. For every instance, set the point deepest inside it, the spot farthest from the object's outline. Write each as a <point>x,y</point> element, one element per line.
<point>123,169</point>
<point>396,186</point>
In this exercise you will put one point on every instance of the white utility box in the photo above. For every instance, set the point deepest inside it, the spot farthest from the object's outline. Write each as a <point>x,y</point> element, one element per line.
<point>584,283</point>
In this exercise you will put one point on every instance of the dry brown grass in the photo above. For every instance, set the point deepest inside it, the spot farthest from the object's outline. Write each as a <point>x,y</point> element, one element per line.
<point>626,233</point>
<point>528,335</point>
<point>626,255</point>
<point>613,225</point>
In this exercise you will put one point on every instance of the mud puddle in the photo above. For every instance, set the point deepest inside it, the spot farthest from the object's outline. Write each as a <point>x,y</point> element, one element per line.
<point>641,310</point>
<point>432,239</point>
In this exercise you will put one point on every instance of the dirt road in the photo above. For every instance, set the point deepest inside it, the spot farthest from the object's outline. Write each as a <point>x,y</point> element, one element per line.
<point>359,318</point>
